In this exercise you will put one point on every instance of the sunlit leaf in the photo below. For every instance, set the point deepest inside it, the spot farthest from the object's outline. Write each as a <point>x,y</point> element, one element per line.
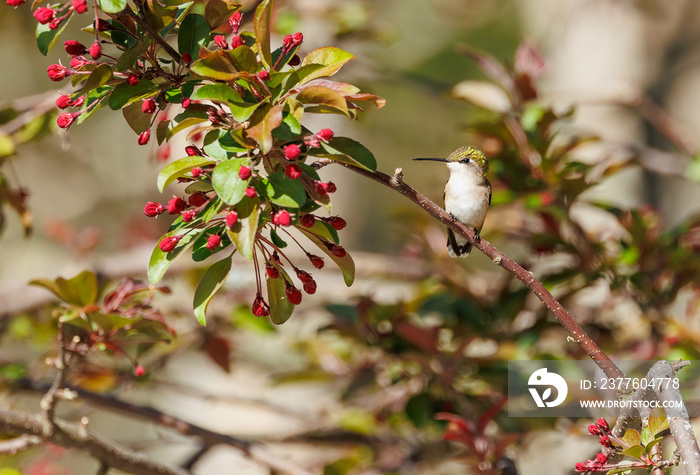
<point>345,263</point>
<point>261,24</point>
<point>160,261</point>
<point>346,150</point>
<point>215,65</point>
<point>178,168</point>
<point>331,58</point>
<point>244,231</point>
<point>46,37</point>
<point>80,290</point>
<point>111,6</point>
<point>218,11</point>
<point>284,191</point>
<point>327,100</point>
<point>280,307</point>
<point>263,122</point>
<point>124,93</point>
<point>98,77</point>
<point>211,282</point>
<point>227,183</point>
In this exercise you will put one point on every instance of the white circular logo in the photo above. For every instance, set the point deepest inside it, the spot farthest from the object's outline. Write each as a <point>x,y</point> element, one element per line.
<point>542,378</point>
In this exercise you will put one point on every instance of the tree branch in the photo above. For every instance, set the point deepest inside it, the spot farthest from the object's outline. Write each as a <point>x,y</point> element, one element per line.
<point>575,331</point>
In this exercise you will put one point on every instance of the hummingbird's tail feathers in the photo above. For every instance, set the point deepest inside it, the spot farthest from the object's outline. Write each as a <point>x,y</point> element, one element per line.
<point>454,249</point>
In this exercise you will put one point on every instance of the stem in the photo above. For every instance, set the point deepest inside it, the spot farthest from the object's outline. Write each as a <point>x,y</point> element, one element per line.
<point>153,34</point>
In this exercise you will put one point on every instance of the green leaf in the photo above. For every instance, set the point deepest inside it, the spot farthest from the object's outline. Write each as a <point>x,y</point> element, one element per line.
<point>277,240</point>
<point>284,191</point>
<point>261,24</point>
<point>215,65</point>
<point>227,183</point>
<point>7,145</point>
<point>160,261</point>
<point>184,124</point>
<point>129,58</point>
<point>46,37</point>
<point>636,451</point>
<point>124,93</point>
<point>244,231</point>
<point>100,76</point>
<point>244,59</point>
<point>136,118</point>
<point>658,424</point>
<point>263,121</point>
<point>211,282</point>
<point>289,129</point>
<point>99,96</point>
<point>346,150</point>
<point>327,100</point>
<point>243,318</point>
<point>178,168</point>
<point>223,93</point>
<point>193,35</point>
<point>345,263</point>
<point>200,251</point>
<point>280,307</point>
<point>111,6</point>
<point>218,11</point>
<point>80,290</point>
<point>331,58</point>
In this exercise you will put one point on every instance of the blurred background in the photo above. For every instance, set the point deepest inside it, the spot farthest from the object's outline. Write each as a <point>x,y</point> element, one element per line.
<point>630,68</point>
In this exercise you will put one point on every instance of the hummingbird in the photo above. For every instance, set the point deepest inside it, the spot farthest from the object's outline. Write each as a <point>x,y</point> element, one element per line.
<point>467,194</point>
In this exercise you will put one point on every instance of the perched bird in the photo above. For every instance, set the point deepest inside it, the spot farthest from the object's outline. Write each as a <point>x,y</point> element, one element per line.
<point>467,194</point>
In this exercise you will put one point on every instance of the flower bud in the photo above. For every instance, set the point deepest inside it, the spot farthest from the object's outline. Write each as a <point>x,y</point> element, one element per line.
<point>63,101</point>
<point>250,192</point>
<point>44,15</point>
<point>186,57</point>
<point>316,261</point>
<point>169,243</point>
<point>197,172</point>
<point>235,22</point>
<point>144,137</point>
<point>197,199</point>
<point>311,141</point>
<point>231,218</point>
<point>58,72</point>
<point>272,271</point>
<point>80,6</point>
<point>139,370</point>
<point>95,50</point>
<point>292,171</point>
<point>186,103</point>
<point>330,187</point>
<point>133,80</point>
<point>325,134</point>
<point>193,151</point>
<point>320,187</point>
<point>176,205</point>
<point>74,48</point>
<point>337,251</point>
<point>264,75</point>
<point>337,222</point>
<point>594,429</point>
<point>153,209</point>
<point>14,3</point>
<point>293,294</point>
<point>308,220</point>
<point>148,106</point>
<point>65,120</point>
<point>310,287</point>
<point>244,173</point>
<point>220,41</point>
<point>260,308</point>
<point>303,276</point>
<point>601,458</point>
<point>55,23</point>
<point>78,102</point>
<point>603,424</point>
<point>78,62</point>
<point>605,441</point>
<point>189,215</point>
<point>282,218</point>
<point>236,41</point>
<point>292,152</point>
<point>213,242</point>
<point>581,467</point>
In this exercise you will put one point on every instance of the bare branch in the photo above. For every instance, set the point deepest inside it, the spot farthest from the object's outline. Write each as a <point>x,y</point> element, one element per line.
<point>18,444</point>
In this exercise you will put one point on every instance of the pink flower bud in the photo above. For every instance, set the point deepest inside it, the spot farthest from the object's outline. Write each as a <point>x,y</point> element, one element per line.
<point>231,218</point>
<point>594,429</point>
<point>66,120</point>
<point>601,458</point>
<point>186,103</point>
<point>58,72</point>
<point>169,243</point>
<point>153,209</point>
<point>14,3</point>
<point>316,261</point>
<point>55,23</point>
<point>236,41</point>
<point>235,22</point>
<point>264,75</point>
<point>63,101</point>
<point>220,41</point>
<point>144,137</point>
<point>320,187</point>
<point>95,50</point>
<point>325,134</point>
<point>139,370</point>
<point>133,80</point>
<point>148,106</point>
<point>282,218</point>
<point>308,220</point>
<point>189,215</point>
<point>272,271</point>
<point>80,6</point>
<point>292,152</point>
<point>193,151</point>
<point>581,467</point>
<point>78,102</point>
<point>186,57</point>
<point>197,199</point>
<point>605,441</point>
<point>293,294</point>
<point>603,424</point>
<point>176,205</point>
<point>74,48</point>
<point>197,172</point>
<point>337,222</point>
<point>213,242</point>
<point>78,62</point>
<point>250,192</point>
<point>291,41</point>
<point>292,171</point>
<point>260,308</point>
<point>244,173</point>
<point>44,15</point>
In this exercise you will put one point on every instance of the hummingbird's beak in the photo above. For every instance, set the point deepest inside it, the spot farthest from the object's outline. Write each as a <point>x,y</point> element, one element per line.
<point>432,159</point>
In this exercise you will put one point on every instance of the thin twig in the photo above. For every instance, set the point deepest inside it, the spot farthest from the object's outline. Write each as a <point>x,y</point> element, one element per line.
<point>50,399</point>
<point>18,444</point>
<point>154,34</point>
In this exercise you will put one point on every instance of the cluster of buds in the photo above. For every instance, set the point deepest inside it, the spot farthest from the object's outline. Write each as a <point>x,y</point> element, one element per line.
<point>597,464</point>
<point>54,16</point>
<point>289,45</point>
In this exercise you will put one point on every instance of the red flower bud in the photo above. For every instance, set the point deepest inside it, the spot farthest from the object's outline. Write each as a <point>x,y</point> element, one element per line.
<point>316,261</point>
<point>193,151</point>
<point>325,134</point>
<point>133,80</point>
<point>235,22</point>
<point>65,120</point>
<point>310,287</point>
<point>95,50</point>
<point>169,243</point>
<point>197,172</point>
<point>603,424</point>
<point>244,173</point>
<point>189,215</point>
<point>231,218</point>
<point>78,102</point>
<point>250,192</point>
<point>14,3</point>
<point>264,75</point>
<point>44,15</point>
<point>220,41</point>
<point>303,276</point>
<point>272,271</point>
<point>293,294</point>
<point>260,308</point>
<point>186,103</point>
<point>337,251</point>
<point>139,370</point>
<point>236,41</point>
<point>176,205</point>
<point>55,23</point>
<point>308,220</point>
<point>58,72</point>
<point>320,187</point>
<point>197,199</point>
<point>144,137</point>
<point>337,222</point>
<point>282,218</point>
<point>292,152</point>
<point>594,429</point>
<point>186,57</point>
<point>581,467</point>
<point>330,187</point>
<point>213,242</point>
<point>601,458</point>
<point>80,6</point>
<point>78,62</point>
<point>311,141</point>
<point>605,441</point>
<point>292,171</point>
<point>74,48</point>
<point>148,106</point>
<point>291,41</point>
<point>63,101</point>
<point>153,209</point>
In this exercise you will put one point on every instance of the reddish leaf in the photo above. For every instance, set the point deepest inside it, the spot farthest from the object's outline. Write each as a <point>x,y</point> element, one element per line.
<point>219,350</point>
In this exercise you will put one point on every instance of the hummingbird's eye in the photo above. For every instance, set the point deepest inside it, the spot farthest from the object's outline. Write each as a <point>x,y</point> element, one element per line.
<point>465,160</point>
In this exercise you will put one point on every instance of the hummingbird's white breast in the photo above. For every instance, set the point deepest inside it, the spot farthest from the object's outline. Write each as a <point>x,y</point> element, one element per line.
<point>467,196</point>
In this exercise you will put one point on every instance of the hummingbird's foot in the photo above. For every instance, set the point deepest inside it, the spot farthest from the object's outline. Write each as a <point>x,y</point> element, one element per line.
<point>477,235</point>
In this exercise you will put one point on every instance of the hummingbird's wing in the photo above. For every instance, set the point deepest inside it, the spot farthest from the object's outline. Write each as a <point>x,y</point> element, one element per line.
<point>454,249</point>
